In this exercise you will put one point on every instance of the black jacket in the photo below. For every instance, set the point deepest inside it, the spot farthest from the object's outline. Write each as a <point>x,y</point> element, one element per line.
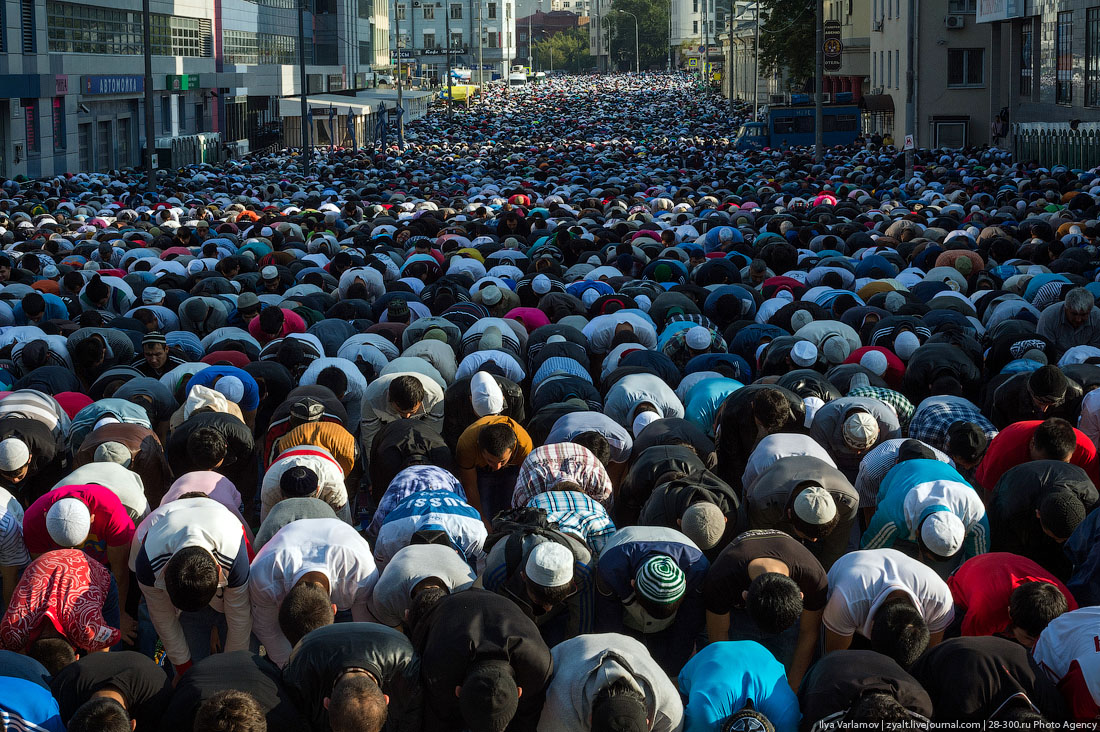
<point>735,434</point>
<point>655,465</point>
<point>974,678</point>
<point>1010,402</point>
<point>324,654</point>
<point>239,670</point>
<point>458,412</point>
<point>478,625</point>
<point>238,458</point>
<point>1013,525</point>
<point>933,360</point>
<point>668,502</point>
<point>837,681</point>
<point>402,443</point>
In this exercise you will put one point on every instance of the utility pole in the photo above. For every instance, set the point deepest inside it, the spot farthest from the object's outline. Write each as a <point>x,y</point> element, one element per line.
<point>480,57</point>
<point>302,81</point>
<point>150,140</point>
<point>447,30</point>
<point>910,90</point>
<point>669,36</point>
<point>756,64</point>
<point>397,39</point>
<point>729,70</point>
<point>819,81</point>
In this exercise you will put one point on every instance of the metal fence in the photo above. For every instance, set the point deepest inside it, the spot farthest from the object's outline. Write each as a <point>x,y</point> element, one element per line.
<point>175,152</point>
<point>1055,143</point>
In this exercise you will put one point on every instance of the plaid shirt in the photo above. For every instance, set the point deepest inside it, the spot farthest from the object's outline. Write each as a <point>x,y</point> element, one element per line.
<point>902,406</point>
<point>935,415</point>
<point>562,461</point>
<point>577,514</point>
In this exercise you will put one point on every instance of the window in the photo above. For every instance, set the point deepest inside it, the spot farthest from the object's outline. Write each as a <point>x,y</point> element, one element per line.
<point>73,28</point>
<point>84,136</point>
<point>456,39</point>
<point>246,47</point>
<point>695,6</point>
<point>401,10</point>
<point>494,40</point>
<point>181,107</point>
<point>429,39</point>
<point>874,68</point>
<point>889,67</point>
<point>30,119</point>
<point>1063,47</point>
<point>456,12</point>
<point>58,107</point>
<point>366,9</point>
<point>965,67</point>
<point>123,142</point>
<point>1027,56</point>
<point>492,11</point>
<point>508,11</point>
<point>962,6</point>
<point>1092,57</point>
<point>429,12</point>
<point>694,26</point>
<point>364,53</point>
<point>897,69</point>
<point>166,114</point>
<point>200,117</point>
<point>26,13</point>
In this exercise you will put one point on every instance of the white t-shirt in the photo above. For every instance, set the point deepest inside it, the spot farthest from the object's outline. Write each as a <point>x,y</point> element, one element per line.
<point>775,447</point>
<point>1072,637</point>
<point>13,552</point>
<point>860,581</point>
<point>324,545</point>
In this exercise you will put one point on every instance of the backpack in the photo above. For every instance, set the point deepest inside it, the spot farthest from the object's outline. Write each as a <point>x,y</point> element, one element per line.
<point>515,526</point>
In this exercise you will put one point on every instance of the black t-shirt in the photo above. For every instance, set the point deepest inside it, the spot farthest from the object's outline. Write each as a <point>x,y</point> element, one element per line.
<point>728,577</point>
<point>141,682</point>
<point>241,671</point>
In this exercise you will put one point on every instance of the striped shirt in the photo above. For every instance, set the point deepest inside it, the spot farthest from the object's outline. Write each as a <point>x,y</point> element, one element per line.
<point>13,552</point>
<point>576,514</point>
<point>877,463</point>
<point>38,406</point>
<point>550,465</point>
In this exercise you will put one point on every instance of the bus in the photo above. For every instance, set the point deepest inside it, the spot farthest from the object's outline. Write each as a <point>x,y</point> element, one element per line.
<point>793,125</point>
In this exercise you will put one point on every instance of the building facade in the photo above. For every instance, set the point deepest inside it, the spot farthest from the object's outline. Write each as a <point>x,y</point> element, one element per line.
<point>485,30</point>
<point>961,71</point>
<point>72,84</point>
<point>540,26</point>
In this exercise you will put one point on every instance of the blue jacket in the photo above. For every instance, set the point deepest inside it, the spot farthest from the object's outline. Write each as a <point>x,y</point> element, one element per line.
<point>913,490</point>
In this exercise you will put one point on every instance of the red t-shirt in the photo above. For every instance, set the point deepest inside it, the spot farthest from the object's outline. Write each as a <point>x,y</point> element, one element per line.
<point>1011,447</point>
<point>292,323</point>
<point>982,587</point>
<point>111,525</point>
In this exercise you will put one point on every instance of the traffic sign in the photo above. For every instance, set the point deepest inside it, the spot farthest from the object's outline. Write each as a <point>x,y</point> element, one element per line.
<point>693,63</point>
<point>910,142</point>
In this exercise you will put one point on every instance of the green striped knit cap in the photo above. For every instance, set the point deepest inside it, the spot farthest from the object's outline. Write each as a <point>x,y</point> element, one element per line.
<point>659,580</point>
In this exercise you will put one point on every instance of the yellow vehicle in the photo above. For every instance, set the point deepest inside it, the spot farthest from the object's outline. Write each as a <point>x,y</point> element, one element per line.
<point>460,92</point>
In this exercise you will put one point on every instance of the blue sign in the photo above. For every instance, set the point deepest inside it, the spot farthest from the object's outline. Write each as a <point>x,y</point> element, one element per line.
<point>129,84</point>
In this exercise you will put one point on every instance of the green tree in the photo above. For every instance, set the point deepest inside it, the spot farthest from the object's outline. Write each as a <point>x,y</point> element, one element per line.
<point>787,39</point>
<point>653,36</point>
<point>570,51</point>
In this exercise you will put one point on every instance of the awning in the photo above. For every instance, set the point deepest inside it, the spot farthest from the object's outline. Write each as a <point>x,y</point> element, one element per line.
<point>877,103</point>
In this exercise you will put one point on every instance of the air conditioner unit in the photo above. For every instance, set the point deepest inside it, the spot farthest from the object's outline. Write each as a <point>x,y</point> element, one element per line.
<point>826,98</point>
<point>416,3</point>
<point>877,90</point>
<point>876,25</point>
<point>954,22</point>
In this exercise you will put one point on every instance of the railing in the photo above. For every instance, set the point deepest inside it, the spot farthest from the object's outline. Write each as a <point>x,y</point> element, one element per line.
<point>1056,143</point>
<point>176,152</point>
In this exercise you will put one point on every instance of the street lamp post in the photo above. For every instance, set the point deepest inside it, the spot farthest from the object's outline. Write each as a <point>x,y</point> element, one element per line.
<point>637,48</point>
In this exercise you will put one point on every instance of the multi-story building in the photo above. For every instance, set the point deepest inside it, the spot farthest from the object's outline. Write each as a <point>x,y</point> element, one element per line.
<point>855,59</point>
<point>485,29</point>
<point>539,26</point>
<point>72,83</point>
<point>1045,58</point>
<point>951,71</point>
